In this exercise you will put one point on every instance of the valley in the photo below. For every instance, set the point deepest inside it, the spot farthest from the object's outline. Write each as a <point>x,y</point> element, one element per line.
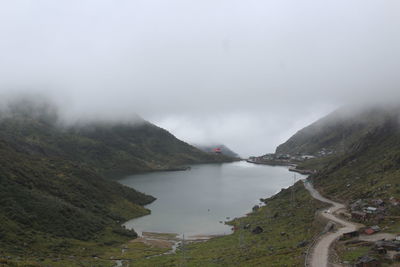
<point>199,133</point>
<point>213,215</point>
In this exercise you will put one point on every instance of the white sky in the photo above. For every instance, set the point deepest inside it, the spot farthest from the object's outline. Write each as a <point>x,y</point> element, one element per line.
<point>244,73</point>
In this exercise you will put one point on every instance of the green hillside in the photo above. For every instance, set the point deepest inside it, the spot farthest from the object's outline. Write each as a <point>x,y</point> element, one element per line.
<point>43,196</point>
<point>368,166</point>
<point>364,171</point>
<point>113,149</point>
<point>53,186</point>
<point>337,131</point>
<point>364,165</point>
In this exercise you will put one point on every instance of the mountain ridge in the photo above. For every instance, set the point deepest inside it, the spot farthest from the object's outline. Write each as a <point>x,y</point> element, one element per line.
<point>336,131</point>
<point>366,157</point>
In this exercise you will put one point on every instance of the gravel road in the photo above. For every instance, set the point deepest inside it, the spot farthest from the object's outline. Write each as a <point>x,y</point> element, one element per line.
<point>320,253</point>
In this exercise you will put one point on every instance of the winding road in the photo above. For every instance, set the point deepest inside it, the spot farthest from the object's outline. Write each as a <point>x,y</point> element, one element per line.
<point>319,256</point>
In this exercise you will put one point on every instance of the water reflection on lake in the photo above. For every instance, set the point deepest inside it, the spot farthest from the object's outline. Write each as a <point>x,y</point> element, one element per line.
<point>194,202</point>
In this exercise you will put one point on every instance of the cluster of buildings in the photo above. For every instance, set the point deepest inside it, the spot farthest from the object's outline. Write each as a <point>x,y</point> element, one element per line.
<point>279,158</point>
<point>371,210</point>
<point>325,152</point>
<point>374,211</point>
<point>381,250</point>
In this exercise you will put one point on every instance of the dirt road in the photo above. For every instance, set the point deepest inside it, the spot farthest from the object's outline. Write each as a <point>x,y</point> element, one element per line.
<point>320,253</point>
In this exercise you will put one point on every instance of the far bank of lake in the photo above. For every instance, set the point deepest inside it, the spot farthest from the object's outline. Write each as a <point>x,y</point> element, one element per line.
<point>198,201</point>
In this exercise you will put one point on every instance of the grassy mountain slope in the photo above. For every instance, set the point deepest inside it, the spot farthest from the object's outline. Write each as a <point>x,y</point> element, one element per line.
<point>112,149</point>
<point>53,182</point>
<point>40,195</point>
<point>369,168</point>
<point>364,173</point>
<point>288,230</point>
<point>369,165</point>
<point>337,131</point>
<point>133,148</point>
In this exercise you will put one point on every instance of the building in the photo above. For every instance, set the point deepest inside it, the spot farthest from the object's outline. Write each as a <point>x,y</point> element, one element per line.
<point>367,261</point>
<point>359,216</point>
<point>370,210</point>
<point>358,205</point>
<point>369,231</point>
<point>217,150</point>
<point>388,245</point>
<point>394,201</point>
<point>378,202</point>
<point>351,234</point>
<point>376,228</point>
<point>283,156</point>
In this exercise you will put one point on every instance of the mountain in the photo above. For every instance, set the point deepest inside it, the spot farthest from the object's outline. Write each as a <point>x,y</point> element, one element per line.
<point>53,177</point>
<point>113,149</point>
<point>224,150</point>
<point>337,131</point>
<point>369,168</point>
<point>366,162</point>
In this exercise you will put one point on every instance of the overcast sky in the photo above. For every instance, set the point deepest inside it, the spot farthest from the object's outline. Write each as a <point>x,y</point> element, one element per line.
<point>244,73</point>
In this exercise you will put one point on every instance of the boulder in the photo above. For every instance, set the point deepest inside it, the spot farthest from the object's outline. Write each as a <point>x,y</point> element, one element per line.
<point>257,230</point>
<point>302,244</point>
<point>255,208</point>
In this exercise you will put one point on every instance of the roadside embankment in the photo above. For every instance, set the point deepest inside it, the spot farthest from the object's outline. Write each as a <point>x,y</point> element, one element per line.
<point>319,256</point>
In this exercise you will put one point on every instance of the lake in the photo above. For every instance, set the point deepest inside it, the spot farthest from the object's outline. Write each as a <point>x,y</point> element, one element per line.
<point>195,202</point>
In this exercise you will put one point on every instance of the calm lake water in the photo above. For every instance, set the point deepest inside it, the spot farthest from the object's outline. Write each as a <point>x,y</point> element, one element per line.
<point>194,202</point>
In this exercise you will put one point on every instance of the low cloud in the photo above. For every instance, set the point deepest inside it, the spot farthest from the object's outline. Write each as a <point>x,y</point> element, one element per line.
<point>244,73</point>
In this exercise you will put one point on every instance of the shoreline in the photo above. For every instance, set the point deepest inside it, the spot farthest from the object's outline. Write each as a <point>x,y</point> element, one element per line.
<point>271,163</point>
<point>292,167</point>
<point>169,241</point>
<point>172,240</point>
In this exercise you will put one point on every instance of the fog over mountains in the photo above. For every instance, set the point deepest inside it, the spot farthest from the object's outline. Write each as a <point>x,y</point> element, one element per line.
<point>247,74</point>
<point>109,106</point>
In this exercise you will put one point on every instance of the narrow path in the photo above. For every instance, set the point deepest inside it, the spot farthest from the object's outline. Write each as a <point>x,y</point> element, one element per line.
<point>320,252</point>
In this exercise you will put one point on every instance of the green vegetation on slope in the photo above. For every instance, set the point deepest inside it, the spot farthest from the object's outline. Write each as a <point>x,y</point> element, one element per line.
<point>368,164</point>
<point>369,170</point>
<point>101,251</point>
<point>112,149</point>
<point>337,131</point>
<point>40,196</point>
<point>52,178</point>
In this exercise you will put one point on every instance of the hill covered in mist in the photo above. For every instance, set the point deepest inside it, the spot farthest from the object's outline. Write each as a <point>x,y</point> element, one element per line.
<point>337,131</point>
<point>366,160</point>
<point>112,148</point>
<point>53,175</point>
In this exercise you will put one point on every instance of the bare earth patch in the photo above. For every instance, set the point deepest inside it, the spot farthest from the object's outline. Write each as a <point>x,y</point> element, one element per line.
<point>376,237</point>
<point>156,243</point>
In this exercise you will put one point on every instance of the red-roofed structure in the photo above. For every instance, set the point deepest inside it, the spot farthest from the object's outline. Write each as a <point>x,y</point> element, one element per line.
<point>217,150</point>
